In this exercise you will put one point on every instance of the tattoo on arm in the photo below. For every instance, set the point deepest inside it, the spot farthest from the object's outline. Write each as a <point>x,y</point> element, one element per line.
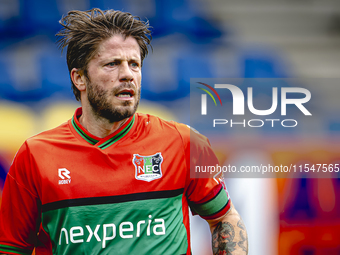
<point>223,239</point>
<point>243,243</point>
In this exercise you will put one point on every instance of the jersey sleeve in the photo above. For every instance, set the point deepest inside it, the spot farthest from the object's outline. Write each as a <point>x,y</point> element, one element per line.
<point>206,192</point>
<point>19,213</point>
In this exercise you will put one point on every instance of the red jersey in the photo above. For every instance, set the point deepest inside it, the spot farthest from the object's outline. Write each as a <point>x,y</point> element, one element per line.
<point>69,192</point>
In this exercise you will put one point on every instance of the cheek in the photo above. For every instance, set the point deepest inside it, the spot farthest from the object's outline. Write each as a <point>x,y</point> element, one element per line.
<point>139,78</point>
<point>105,79</point>
<point>101,77</point>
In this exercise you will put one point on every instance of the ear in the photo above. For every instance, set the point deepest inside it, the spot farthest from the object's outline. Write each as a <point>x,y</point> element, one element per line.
<point>78,79</point>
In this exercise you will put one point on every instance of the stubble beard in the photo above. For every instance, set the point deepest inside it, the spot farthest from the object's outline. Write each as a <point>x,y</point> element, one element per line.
<point>103,107</point>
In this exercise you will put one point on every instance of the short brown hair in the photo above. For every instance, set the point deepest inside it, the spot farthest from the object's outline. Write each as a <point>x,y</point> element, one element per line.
<point>83,31</point>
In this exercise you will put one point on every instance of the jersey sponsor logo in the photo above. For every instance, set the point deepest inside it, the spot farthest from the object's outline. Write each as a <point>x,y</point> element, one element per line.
<point>104,233</point>
<point>148,168</point>
<point>64,176</point>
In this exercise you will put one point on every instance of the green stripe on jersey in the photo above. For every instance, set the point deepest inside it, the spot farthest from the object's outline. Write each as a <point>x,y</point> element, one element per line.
<point>108,143</point>
<point>213,206</point>
<point>151,226</point>
<point>118,136</point>
<point>16,250</point>
<point>83,134</point>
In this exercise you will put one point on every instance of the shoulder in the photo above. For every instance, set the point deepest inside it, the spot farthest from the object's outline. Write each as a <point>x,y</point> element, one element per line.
<point>57,134</point>
<point>41,145</point>
<point>182,131</point>
<point>37,145</point>
<point>158,124</point>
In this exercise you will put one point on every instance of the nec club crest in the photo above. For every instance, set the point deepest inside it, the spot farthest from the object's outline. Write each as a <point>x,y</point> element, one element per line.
<point>148,168</point>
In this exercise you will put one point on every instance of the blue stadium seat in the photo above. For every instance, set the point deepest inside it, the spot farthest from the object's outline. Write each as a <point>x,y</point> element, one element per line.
<point>41,16</point>
<point>30,93</point>
<point>54,74</point>
<point>177,16</point>
<point>14,25</point>
<point>2,26</point>
<point>54,78</point>
<point>192,65</point>
<point>265,63</point>
<point>261,62</point>
<point>5,79</point>
<point>334,126</point>
<point>188,65</point>
<point>120,5</point>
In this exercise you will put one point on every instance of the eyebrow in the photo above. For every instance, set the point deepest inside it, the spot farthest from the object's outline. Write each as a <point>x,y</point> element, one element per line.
<point>110,59</point>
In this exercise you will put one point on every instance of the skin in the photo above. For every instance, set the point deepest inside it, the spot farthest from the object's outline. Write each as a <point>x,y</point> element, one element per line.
<point>116,67</point>
<point>229,235</point>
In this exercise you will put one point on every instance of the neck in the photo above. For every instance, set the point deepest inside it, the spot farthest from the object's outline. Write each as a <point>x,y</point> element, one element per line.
<point>99,126</point>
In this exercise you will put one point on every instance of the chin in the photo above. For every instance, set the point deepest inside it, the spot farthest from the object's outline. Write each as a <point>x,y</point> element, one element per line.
<point>120,114</point>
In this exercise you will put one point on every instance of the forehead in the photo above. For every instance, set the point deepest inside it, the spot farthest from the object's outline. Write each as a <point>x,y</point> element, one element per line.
<point>118,46</point>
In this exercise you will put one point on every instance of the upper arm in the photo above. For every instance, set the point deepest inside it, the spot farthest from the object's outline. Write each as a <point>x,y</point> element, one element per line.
<point>230,215</point>
<point>206,192</point>
<point>20,209</point>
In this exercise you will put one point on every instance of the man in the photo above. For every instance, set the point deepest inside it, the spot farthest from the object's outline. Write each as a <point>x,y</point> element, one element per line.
<point>110,181</point>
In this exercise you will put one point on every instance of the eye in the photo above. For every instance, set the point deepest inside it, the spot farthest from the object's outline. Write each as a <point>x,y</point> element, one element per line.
<point>114,63</point>
<point>134,64</point>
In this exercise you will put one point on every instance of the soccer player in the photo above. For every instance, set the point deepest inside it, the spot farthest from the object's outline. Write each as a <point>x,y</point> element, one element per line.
<point>112,181</point>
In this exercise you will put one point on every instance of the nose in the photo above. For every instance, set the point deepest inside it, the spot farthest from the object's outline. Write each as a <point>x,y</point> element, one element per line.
<point>125,73</point>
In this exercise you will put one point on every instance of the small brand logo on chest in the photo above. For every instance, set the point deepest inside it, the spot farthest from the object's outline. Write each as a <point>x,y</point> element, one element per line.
<point>148,168</point>
<point>64,176</point>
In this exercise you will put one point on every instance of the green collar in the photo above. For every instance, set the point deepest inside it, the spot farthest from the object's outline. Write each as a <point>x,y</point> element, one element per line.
<point>102,143</point>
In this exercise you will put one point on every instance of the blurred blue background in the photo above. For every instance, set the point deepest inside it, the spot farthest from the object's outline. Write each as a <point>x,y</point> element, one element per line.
<point>191,39</point>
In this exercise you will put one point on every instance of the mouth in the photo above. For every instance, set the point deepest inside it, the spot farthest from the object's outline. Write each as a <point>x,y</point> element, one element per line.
<point>125,94</point>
